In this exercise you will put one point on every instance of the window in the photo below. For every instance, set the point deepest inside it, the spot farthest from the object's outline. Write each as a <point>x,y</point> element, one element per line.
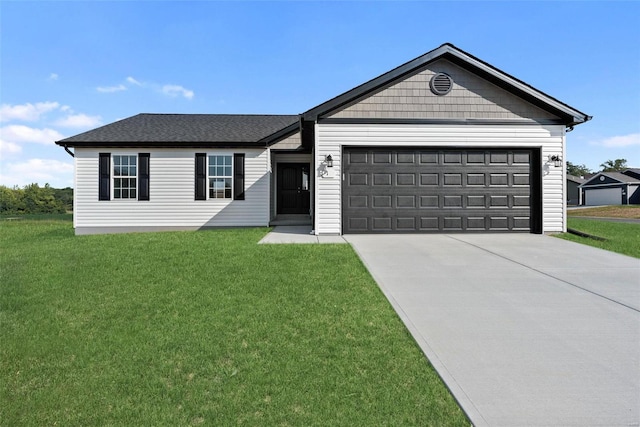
<point>125,177</point>
<point>220,177</point>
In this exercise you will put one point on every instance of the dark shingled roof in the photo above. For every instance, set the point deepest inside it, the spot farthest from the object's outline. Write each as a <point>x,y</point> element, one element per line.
<point>576,179</point>
<point>185,129</point>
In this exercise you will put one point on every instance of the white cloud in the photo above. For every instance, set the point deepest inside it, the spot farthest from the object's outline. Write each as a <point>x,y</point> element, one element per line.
<point>8,148</point>
<point>619,141</point>
<point>54,172</point>
<point>133,81</point>
<point>176,90</point>
<point>79,121</point>
<point>26,112</point>
<point>111,89</point>
<point>16,134</point>
<point>53,76</point>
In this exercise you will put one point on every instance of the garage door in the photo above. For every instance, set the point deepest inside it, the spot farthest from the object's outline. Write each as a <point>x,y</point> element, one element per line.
<point>603,196</point>
<point>438,190</point>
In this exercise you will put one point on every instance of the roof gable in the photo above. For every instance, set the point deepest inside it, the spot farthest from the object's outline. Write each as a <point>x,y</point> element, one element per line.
<point>568,115</point>
<point>185,129</point>
<point>604,178</point>
<point>471,97</point>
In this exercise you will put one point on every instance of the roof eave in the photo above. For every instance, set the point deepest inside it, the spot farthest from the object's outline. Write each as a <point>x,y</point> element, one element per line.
<point>162,144</point>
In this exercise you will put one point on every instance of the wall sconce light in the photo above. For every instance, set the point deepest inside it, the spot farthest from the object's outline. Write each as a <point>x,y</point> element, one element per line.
<point>328,160</point>
<point>557,160</point>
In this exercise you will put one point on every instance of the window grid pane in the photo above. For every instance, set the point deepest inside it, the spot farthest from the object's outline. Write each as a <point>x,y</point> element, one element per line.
<point>124,177</point>
<point>220,177</point>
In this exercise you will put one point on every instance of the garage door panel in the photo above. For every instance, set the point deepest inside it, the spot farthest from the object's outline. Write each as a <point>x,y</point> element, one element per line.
<point>406,158</point>
<point>408,199</point>
<point>413,190</point>
<point>358,224</point>
<point>429,158</point>
<point>406,179</point>
<point>382,157</point>
<point>384,201</point>
<point>358,179</point>
<point>405,223</point>
<point>603,196</point>
<point>476,223</point>
<point>358,202</point>
<point>382,224</point>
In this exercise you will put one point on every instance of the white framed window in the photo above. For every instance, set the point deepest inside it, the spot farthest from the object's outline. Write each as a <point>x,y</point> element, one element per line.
<point>220,177</point>
<point>125,176</point>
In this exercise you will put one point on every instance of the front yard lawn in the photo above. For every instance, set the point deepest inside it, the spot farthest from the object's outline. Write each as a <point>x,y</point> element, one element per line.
<point>620,237</point>
<point>190,328</point>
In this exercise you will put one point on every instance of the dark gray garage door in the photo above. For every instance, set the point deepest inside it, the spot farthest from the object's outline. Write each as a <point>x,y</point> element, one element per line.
<point>439,190</point>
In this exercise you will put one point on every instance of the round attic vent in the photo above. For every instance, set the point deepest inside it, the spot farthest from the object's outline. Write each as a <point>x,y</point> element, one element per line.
<point>441,84</point>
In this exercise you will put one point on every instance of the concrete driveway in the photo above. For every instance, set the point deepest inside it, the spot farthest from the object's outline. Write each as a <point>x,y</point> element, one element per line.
<point>524,329</point>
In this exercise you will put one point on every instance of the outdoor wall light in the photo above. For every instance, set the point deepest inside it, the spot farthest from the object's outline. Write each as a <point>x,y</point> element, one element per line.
<point>557,160</point>
<point>328,160</point>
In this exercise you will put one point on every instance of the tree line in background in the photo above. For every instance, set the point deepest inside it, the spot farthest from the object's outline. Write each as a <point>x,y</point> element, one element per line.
<point>33,199</point>
<point>617,165</point>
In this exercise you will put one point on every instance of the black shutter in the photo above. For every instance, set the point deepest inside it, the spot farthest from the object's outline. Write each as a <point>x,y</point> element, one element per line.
<point>104,177</point>
<point>238,176</point>
<point>201,176</point>
<point>143,176</point>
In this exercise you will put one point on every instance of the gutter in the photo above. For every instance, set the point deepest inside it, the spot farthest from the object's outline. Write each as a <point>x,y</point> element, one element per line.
<point>66,148</point>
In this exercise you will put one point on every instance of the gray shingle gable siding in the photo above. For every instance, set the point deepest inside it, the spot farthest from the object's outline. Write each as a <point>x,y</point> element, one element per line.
<point>569,115</point>
<point>186,129</point>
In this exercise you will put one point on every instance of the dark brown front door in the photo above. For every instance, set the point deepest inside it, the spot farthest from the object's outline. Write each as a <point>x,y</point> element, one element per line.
<point>293,188</point>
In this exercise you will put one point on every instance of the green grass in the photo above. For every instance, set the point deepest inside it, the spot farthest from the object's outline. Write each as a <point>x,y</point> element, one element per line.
<point>620,237</point>
<point>205,327</point>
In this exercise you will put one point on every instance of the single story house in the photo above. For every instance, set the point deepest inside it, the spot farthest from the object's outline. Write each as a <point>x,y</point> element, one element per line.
<point>443,143</point>
<point>574,192</point>
<point>612,188</point>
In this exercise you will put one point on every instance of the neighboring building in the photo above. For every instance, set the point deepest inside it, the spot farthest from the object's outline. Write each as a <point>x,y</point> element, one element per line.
<point>632,172</point>
<point>443,143</point>
<point>574,192</point>
<point>612,188</point>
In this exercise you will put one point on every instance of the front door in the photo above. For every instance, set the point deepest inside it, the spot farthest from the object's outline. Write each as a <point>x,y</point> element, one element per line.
<point>293,188</point>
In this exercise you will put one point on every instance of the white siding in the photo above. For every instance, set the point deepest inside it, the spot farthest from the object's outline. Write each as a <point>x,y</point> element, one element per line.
<point>331,137</point>
<point>172,201</point>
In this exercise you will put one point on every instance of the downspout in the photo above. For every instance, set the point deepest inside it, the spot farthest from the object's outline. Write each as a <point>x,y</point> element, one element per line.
<point>66,148</point>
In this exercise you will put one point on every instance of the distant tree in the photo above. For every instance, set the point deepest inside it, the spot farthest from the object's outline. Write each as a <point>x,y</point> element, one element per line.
<point>64,196</point>
<point>11,200</point>
<point>33,199</point>
<point>41,200</point>
<point>616,165</point>
<point>577,170</point>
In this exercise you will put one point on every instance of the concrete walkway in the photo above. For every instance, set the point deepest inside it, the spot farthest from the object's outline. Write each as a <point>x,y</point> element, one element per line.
<point>524,329</point>
<point>297,234</point>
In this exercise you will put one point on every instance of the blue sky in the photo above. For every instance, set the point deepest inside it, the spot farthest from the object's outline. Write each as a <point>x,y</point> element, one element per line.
<point>67,67</point>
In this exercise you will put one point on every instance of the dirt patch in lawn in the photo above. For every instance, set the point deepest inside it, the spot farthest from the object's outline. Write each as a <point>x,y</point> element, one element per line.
<point>608,212</point>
